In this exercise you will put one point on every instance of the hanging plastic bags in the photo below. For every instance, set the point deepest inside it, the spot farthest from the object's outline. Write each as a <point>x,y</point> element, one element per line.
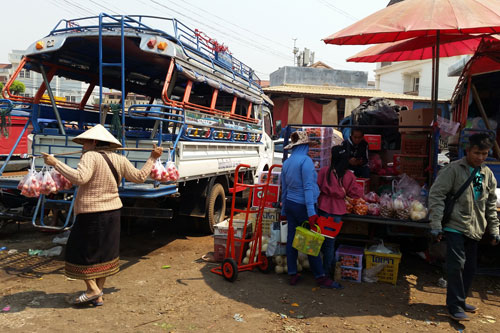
<point>30,186</point>
<point>48,184</point>
<point>165,174</point>
<point>62,183</point>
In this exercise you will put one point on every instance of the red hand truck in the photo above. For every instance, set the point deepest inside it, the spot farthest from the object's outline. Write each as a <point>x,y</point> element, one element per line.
<point>230,265</point>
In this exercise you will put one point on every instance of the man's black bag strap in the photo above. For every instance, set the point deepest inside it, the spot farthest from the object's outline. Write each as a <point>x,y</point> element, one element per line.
<point>462,188</point>
<point>111,166</point>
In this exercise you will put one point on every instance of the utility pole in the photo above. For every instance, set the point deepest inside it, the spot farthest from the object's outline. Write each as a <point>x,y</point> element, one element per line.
<point>295,51</point>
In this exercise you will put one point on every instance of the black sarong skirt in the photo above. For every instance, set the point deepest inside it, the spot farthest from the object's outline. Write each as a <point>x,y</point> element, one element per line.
<point>93,246</point>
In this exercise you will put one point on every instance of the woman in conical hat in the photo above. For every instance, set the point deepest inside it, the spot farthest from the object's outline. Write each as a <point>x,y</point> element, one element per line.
<point>92,251</point>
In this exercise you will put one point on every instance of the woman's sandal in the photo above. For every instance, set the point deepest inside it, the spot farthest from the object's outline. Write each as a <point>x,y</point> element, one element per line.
<point>96,303</point>
<point>83,298</point>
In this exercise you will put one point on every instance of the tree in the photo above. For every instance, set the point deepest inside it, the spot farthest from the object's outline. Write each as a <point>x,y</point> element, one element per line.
<point>17,87</point>
<point>1,86</point>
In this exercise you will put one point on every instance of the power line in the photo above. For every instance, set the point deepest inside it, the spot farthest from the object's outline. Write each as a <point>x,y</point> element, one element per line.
<point>338,10</point>
<point>238,26</point>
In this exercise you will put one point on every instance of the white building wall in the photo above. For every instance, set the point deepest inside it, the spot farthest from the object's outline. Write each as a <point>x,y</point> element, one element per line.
<point>392,78</point>
<point>72,90</point>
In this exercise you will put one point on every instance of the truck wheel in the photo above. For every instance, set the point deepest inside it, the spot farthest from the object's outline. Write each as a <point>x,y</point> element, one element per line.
<point>216,207</point>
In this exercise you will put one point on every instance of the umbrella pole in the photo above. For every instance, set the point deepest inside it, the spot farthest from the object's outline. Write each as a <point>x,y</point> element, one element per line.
<point>435,95</point>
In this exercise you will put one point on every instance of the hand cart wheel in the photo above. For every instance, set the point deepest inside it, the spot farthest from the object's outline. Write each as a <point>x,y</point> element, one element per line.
<point>266,264</point>
<point>230,269</point>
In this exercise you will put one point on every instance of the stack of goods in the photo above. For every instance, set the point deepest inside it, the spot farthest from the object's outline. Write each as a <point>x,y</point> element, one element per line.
<point>269,216</point>
<point>351,262</point>
<point>320,146</point>
<point>414,158</point>
<point>220,238</point>
<point>273,190</point>
<point>402,207</point>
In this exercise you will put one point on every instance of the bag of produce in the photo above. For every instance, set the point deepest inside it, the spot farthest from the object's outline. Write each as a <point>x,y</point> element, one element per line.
<point>48,184</point>
<point>386,208</point>
<point>62,183</point>
<point>373,209</point>
<point>173,173</point>
<point>417,211</point>
<point>158,172</point>
<point>372,197</point>
<point>31,186</point>
<point>401,207</point>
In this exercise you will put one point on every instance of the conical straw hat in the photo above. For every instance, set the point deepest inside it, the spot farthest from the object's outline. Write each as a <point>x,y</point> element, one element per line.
<point>98,132</point>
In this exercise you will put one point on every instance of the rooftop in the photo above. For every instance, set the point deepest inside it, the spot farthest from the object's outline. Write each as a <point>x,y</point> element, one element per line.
<point>330,91</point>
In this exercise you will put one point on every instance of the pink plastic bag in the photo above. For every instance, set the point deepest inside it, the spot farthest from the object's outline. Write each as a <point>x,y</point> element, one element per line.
<point>372,197</point>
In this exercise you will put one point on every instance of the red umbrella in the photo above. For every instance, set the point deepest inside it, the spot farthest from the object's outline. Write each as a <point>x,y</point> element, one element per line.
<point>420,48</point>
<point>414,18</point>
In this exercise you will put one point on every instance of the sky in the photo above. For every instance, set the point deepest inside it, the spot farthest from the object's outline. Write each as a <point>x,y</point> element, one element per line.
<point>260,33</point>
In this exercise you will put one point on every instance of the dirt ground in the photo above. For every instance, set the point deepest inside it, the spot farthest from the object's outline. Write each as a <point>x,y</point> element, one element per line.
<point>187,297</point>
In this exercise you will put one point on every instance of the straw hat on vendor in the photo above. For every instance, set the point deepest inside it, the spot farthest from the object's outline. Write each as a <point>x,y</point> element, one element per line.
<point>99,134</point>
<point>92,250</point>
<point>298,138</point>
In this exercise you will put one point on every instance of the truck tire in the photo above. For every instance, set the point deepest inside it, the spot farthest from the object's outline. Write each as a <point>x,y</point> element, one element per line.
<point>216,210</point>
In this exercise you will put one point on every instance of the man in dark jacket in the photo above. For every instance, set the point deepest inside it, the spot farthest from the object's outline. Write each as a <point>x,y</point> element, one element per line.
<point>473,214</point>
<point>357,151</point>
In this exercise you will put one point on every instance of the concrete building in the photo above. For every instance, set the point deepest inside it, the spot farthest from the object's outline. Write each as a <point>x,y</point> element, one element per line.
<point>4,72</point>
<point>72,91</point>
<point>415,77</point>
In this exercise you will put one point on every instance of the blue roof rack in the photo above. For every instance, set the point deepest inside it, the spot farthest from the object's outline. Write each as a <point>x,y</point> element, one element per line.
<point>189,40</point>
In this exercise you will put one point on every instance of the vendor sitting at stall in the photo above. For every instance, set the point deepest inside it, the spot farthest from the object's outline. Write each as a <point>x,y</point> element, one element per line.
<point>357,150</point>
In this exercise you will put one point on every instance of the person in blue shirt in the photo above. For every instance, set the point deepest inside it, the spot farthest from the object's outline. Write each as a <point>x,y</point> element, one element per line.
<point>299,194</point>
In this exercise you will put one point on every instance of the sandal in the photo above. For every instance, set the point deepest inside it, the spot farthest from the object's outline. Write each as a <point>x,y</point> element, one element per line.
<point>325,282</point>
<point>96,303</point>
<point>83,298</point>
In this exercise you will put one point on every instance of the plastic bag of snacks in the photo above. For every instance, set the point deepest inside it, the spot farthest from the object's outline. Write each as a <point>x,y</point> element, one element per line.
<point>48,185</point>
<point>62,183</point>
<point>360,207</point>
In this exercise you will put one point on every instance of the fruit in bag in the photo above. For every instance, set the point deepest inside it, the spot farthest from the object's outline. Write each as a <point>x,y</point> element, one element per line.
<point>47,185</point>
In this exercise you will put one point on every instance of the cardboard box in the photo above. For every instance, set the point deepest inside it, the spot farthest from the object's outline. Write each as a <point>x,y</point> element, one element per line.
<point>222,228</point>
<point>374,141</point>
<point>416,117</point>
<point>364,183</point>
<point>272,196</point>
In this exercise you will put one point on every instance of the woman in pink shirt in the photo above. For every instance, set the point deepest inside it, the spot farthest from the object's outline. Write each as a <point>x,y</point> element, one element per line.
<point>335,183</point>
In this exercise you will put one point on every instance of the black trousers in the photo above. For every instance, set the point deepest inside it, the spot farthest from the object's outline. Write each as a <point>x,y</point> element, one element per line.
<point>461,261</point>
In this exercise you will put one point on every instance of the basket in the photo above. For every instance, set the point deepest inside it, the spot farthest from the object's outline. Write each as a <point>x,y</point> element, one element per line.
<point>307,241</point>
<point>390,272</point>
<point>412,166</point>
<point>415,144</point>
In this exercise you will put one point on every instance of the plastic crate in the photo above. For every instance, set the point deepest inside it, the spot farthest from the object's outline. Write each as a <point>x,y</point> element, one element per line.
<point>415,144</point>
<point>349,256</point>
<point>320,153</point>
<point>220,243</point>
<point>412,166</point>
<point>351,274</point>
<point>390,272</point>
